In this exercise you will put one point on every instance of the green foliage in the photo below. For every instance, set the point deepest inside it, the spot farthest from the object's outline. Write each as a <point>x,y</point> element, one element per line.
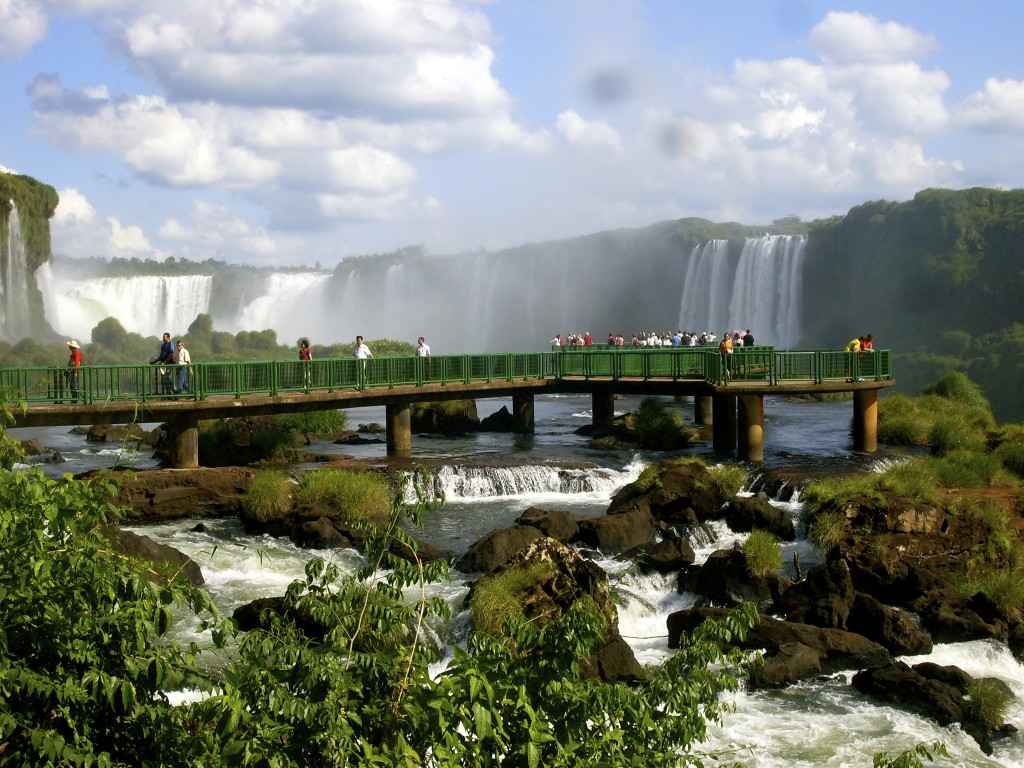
<point>1009,448</point>
<point>913,480</point>
<point>356,495</point>
<point>10,450</point>
<point>84,662</point>
<point>988,702</point>
<point>446,408</point>
<point>901,422</point>
<point>911,758</point>
<point>649,478</point>
<point>1003,586</point>
<point>958,388</point>
<point>723,479</point>
<point>320,423</point>
<point>658,429</point>
<point>499,597</point>
<point>268,495</point>
<point>968,469</point>
<point>762,553</point>
<point>829,529</point>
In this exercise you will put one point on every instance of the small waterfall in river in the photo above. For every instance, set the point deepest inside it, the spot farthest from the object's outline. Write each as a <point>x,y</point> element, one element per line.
<point>14,313</point>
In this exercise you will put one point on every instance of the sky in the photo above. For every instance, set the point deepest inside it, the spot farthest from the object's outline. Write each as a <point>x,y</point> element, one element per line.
<point>302,132</point>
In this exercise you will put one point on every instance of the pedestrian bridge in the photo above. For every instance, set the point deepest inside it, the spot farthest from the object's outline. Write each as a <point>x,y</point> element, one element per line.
<point>728,391</point>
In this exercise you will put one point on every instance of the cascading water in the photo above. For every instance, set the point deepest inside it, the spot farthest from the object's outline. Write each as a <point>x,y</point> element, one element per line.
<point>292,302</point>
<point>759,290</point>
<point>148,304</point>
<point>14,323</point>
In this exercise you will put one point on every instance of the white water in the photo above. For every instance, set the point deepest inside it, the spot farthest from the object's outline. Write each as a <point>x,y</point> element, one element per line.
<point>148,305</point>
<point>14,317</point>
<point>291,300</point>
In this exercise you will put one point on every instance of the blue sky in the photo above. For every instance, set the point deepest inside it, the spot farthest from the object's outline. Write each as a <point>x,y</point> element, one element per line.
<point>287,132</point>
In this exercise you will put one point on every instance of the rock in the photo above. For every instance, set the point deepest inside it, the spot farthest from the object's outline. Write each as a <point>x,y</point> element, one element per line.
<point>444,418</point>
<point>501,420</point>
<point>897,683</point>
<point>171,494</point>
<point>496,549</point>
<point>889,627</point>
<point>320,534</point>
<point>823,599</point>
<point>613,534</point>
<point>165,559</point>
<point>791,662</point>
<point>612,660</point>
<point>558,525</point>
<point>373,429</point>
<point>668,555</point>
<point>33,447</point>
<point>123,433</point>
<point>681,495</point>
<point>837,650</point>
<point>745,513</point>
<point>723,580</point>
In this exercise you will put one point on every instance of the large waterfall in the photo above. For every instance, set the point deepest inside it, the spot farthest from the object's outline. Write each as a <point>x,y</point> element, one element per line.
<point>760,289</point>
<point>512,300</point>
<point>14,312</point>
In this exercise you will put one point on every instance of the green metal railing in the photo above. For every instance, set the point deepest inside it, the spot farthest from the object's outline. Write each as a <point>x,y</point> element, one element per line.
<point>100,383</point>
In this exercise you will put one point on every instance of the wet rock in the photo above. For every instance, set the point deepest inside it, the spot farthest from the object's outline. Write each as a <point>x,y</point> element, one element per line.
<point>167,561</point>
<point>889,627</point>
<point>496,549</point>
<point>823,599</point>
<point>745,513</point>
<point>559,525</point>
<point>723,580</point>
<point>171,494</point>
<point>668,556</point>
<point>33,447</point>
<point>501,420</point>
<point>613,534</point>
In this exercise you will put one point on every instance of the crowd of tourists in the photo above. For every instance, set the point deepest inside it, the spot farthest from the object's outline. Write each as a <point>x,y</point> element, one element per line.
<point>655,339</point>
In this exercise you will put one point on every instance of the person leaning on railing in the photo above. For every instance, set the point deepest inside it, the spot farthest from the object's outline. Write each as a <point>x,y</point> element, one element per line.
<point>184,362</point>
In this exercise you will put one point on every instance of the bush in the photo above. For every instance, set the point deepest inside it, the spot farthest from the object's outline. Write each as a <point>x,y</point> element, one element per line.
<point>658,429</point>
<point>1009,448</point>
<point>828,530</point>
<point>723,479</point>
<point>901,421</point>
<point>988,702</point>
<point>318,423</point>
<point>1004,587</point>
<point>967,469</point>
<point>268,495</point>
<point>956,431</point>
<point>914,480</point>
<point>762,553</point>
<point>957,387</point>
<point>356,495</point>
<point>500,597</point>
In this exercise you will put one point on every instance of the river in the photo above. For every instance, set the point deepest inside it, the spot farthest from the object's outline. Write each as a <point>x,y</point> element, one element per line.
<point>489,479</point>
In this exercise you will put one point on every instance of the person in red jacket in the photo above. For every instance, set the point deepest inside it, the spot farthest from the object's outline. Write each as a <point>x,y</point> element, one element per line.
<point>74,363</point>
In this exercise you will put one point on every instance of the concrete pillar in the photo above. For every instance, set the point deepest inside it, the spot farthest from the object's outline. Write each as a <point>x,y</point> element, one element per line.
<point>183,442</point>
<point>603,406</point>
<point>750,427</point>
<point>703,413</point>
<point>398,428</point>
<point>723,429</point>
<point>522,414</point>
<point>865,420</point>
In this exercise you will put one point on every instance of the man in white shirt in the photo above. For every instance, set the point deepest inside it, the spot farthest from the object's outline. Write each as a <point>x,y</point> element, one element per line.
<point>362,351</point>
<point>183,360</point>
<point>422,350</point>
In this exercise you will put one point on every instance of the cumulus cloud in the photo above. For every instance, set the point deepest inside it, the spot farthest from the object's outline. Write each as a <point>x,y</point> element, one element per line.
<point>857,38</point>
<point>23,23</point>
<point>593,133</point>
<point>78,231</point>
<point>999,108</point>
<point>214,229</point>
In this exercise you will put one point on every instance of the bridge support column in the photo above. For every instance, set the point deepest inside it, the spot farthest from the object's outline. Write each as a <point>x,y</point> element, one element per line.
<point>865,420</point>
<point>398,428</point>
<point>751,427</point>
<point>603,407</point>
<point>703,413</point>
<point>522,414</point>
<point>723,428</point>
<point>183,442</point>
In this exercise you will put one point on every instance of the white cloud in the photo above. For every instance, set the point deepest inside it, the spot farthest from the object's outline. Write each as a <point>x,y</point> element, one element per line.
<point>857,38</point>
<point>79,232</point>
<point>22,24</point>
<point>594,133</point>
<point>215,231</point>
<point>998,108</point>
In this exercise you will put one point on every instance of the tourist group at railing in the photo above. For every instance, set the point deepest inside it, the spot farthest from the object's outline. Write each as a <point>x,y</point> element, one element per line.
<point>198,380</point>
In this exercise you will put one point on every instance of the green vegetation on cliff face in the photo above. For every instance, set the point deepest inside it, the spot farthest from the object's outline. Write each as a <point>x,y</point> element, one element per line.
<point>939,279</point>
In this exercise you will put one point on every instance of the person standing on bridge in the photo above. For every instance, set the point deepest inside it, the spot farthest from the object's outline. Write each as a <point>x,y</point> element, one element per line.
<point>306,356</point>
<point>184,361</point>
<point>422,348</point>
<point>165,359</point>
<point>74,363</point>
<point>361,353</point>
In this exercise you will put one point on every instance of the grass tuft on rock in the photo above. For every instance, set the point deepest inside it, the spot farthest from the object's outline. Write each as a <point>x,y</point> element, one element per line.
<point>502,596</point>
<point>988,702</point>
<point>356,495</point>
<point>268,496</point>
<point>762,553</point>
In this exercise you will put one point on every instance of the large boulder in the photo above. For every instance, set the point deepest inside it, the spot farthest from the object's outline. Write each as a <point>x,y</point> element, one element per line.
<point>573,577</point>
<point>613,534</point>
<point>745,513</point>
<point>671,554</point>
<point>449,418</point>
<point>724,580</point>
<point>836,650</point>
<point>171,494</point>
<point>496,549</point>
<point>168,562</point>
<point>824,598</point>
<point>559,525</point>
<point>889,627</point>
<point>681,494</point>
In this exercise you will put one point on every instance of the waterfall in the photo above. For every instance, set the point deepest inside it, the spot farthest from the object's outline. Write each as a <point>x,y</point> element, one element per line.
<point>760,291</point>
<point>147,304</point>
<point>14,323</point>
<point>460,482</point>
<point>292,305</point>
